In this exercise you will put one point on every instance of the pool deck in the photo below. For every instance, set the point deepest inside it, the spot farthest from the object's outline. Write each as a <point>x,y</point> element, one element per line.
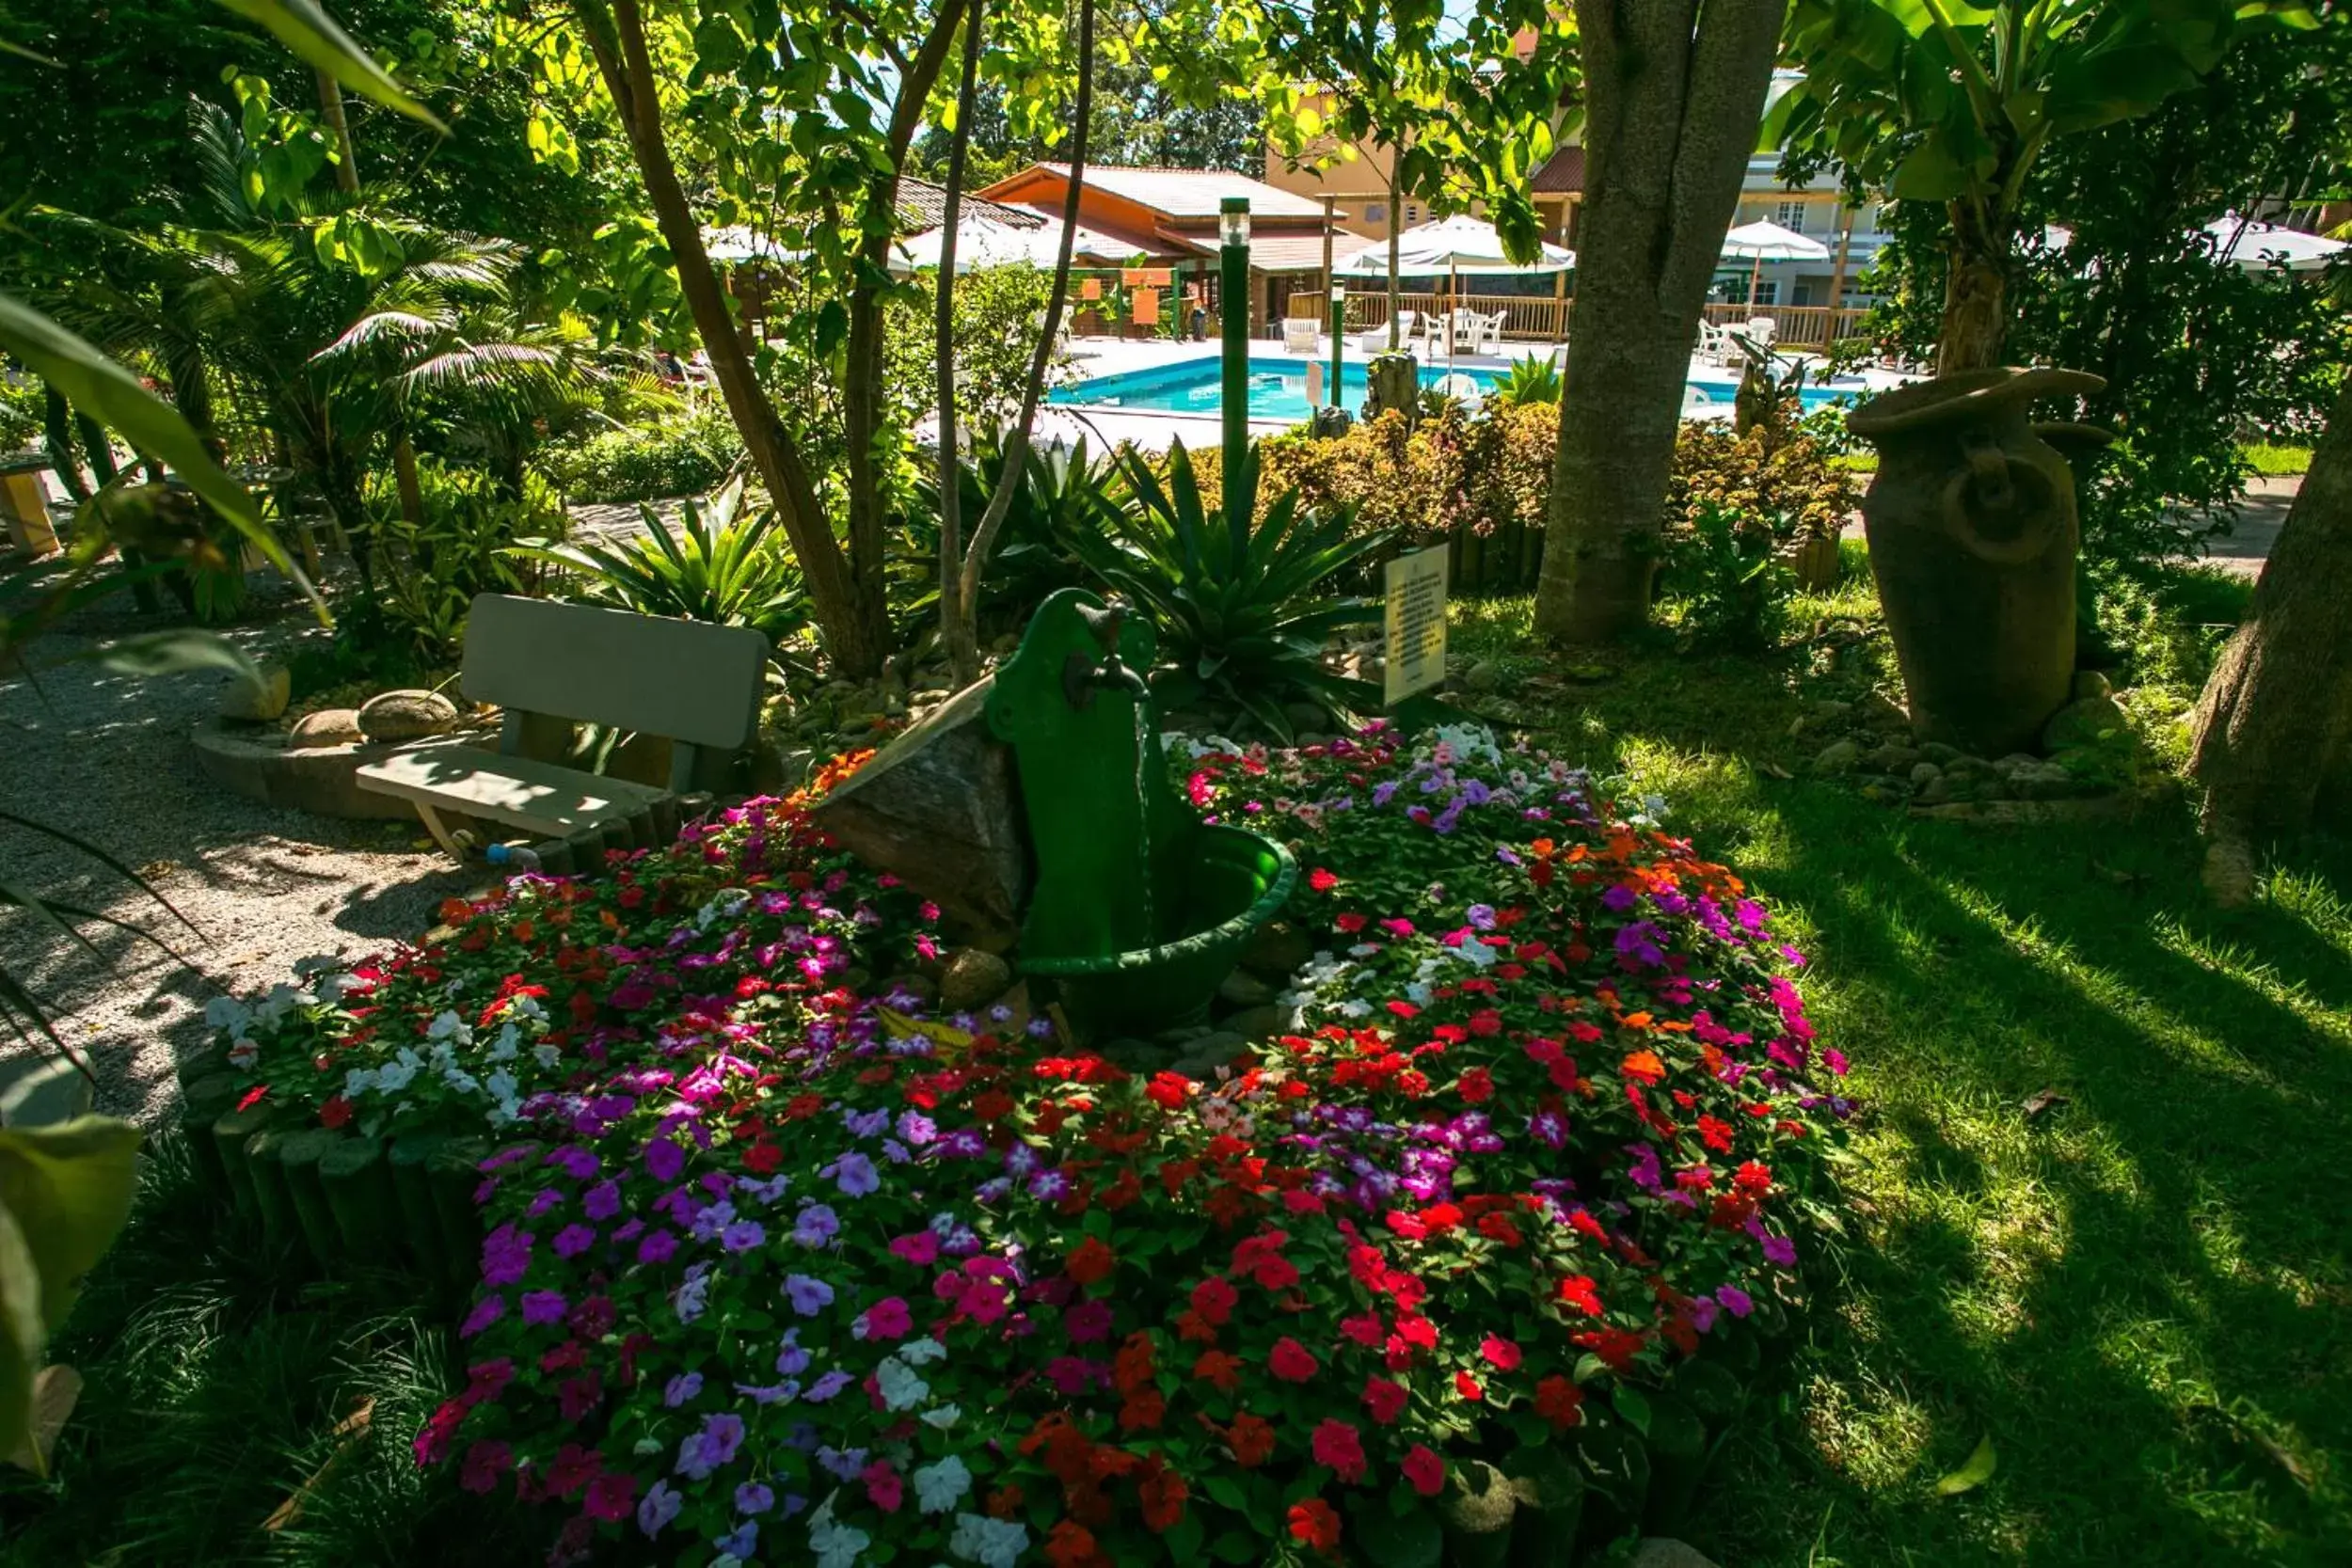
<point>1155,430</point>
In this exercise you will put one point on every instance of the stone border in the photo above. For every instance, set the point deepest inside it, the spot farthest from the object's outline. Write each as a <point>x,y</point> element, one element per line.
<point>322,780</point>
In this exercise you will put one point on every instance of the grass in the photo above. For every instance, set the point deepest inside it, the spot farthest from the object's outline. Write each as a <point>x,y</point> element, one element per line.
<point>2268,459</point>
<point>2140,1295</point>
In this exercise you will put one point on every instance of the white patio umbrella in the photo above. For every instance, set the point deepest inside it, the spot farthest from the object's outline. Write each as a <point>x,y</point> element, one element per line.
<point>2259,247</point>
<point>1454,244</point>
<point>986,243</point>
<point>1762,241</point>
<point>741,243</point>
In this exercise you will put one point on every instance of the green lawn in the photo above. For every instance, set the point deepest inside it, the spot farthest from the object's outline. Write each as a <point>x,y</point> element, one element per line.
<point>2140,1295</point>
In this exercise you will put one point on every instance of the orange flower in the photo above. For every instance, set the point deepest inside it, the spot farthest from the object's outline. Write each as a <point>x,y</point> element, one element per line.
<point>1642,1066</point>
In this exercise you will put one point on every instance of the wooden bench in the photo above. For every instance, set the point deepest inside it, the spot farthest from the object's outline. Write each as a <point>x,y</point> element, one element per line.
<point>552,666</point>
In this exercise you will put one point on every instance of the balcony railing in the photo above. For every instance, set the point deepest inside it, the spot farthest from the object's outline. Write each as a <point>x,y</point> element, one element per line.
<point>1546,321</point>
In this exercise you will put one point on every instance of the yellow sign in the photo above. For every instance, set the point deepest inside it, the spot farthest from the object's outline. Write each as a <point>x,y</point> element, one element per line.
<point>1416,624</point>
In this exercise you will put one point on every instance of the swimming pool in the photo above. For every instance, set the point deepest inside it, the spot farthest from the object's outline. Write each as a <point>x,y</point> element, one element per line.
<point>1278,389</point>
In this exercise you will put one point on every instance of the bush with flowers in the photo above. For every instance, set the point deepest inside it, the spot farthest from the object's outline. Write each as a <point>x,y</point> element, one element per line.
<point>777,1266</point>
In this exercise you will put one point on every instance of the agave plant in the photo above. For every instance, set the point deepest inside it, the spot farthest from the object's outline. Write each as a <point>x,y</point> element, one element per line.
<point>1241,604</point>
<point>1064,495</point>
<point>723,565</point>
<point>1532,379</point>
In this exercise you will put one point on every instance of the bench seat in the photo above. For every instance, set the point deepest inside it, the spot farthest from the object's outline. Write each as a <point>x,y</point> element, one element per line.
<point>537,797</point>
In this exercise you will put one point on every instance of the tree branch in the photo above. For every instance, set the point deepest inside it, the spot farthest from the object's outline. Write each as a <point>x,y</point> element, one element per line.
<point>852,11</point>
<point>959,635</point>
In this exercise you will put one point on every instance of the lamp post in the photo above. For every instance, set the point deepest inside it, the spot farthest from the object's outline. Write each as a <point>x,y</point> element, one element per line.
<point>1339,329</point>
<point>1234,285</point>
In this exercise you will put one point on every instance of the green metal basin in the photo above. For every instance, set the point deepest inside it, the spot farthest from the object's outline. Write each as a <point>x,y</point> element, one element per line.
<point>1233,882</point>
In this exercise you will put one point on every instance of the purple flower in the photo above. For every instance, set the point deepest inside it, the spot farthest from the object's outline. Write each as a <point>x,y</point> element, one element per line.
<point>865,1124</point>
<point>792,1360</point>
<point>916,1128</point>
<point>664,1158</point>
<point>1736,1301</point>
<point>657,1247</point>
<point>680,1389</point>
<point>1482,916</point>
<point>1039,1028</point>
<point>489,1310</point>
<point>1619,898</point>
<point>816,1226</point>
<point>753,1497</point>
<point>844,1462</point>
<point>543,1306</point>
<point>808,1296</point>
<point>713,1446</point>
<point>827,1387</point>
<point>1548,1129</point>
<point>1089,1321</point>
<point>740,1543</point>
<point>1049,1186</point>
<point>541,1201</point>
<point>505,1255</point>
<point>854,1174</point>
<point>1780,1250</point>
<point>601,1201</point>
<point>742,1235</point>
<point>577,1163</point>
<point>573,1239</point>
<point>1384,792</point>
<point>657,1508</point>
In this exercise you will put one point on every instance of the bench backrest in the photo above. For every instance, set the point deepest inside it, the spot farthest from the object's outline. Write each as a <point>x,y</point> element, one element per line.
<point>684,679</point>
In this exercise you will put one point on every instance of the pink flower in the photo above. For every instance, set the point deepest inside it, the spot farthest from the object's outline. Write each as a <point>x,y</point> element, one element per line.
<point>1425,1469</point>
<point>1291,1361</point>
<point>485,1462</point>
<point>883,1486</point>
<point>920,1248</point>
<point>1500,1353</point>
<point>611,1495</point>
<point>1337,1445</point>
<point>887,1319</point>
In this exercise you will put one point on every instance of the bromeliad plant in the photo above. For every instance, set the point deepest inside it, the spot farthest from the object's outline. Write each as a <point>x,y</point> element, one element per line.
<point>780,1264</point>
<point>725,565</point>
<point>1242,605</point>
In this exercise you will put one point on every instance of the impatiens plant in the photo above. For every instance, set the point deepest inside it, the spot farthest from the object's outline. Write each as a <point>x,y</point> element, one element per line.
<point>780,1265</point>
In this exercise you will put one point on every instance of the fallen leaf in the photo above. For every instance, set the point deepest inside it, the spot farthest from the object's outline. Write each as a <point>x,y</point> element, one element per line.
<point>1773,770</point>
<point>1971,1475</point>
<point>2041,1100</point>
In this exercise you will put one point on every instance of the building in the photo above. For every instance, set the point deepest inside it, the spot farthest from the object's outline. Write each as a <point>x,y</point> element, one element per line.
<point>1171,216</point>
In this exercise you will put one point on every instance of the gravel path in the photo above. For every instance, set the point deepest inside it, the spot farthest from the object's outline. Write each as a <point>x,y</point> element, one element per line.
<point>107,757</point>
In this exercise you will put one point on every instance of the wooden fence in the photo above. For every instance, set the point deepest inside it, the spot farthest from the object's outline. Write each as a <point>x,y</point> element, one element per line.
<point>1546,321</point>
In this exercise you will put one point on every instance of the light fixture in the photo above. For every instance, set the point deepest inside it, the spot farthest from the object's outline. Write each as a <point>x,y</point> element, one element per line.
<point>1232,223</point>
<point>1339,292</point>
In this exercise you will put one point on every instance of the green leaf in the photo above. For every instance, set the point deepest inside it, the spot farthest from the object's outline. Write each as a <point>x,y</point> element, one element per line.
<point>1973,1473</point>
<point>309,32</point>
<point>1633,1407</point>
<point>1236,1545</point>
<point>1184,1540</point>
<point>160,653</point>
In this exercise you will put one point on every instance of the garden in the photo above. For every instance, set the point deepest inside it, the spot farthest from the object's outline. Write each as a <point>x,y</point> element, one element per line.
<point>886,984</point>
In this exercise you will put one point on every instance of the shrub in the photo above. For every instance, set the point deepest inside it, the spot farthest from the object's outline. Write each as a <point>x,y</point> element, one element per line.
<point>688,455</point>
<point>1726,570</point>
<point>1532,379</point>
<point>723,564</point>
<point>1064,494</point>
<point>778,1261</point>
<point>433,568</point>
<point>999,311</point>
<point>1785,480</point>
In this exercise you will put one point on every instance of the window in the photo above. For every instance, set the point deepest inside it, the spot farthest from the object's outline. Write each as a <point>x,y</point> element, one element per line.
<point>1768,292</point>
<point>1412,211</point>
<point>1800,294</point>
<point>1375,212</point>
<point>1791,215</point>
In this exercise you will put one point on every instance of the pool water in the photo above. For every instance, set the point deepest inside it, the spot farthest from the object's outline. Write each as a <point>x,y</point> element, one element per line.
<point>1278,389</point>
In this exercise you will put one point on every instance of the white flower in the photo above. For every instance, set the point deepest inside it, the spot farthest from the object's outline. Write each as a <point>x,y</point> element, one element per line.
<point>243,1053</point>
<point>506,1045</point>
<point>448,1026</point>
<point>227,1012</point>
<point>396,1074</point>
<point>727,904</point>
<point>1355,1006</point>
<point>901,1388</point>
<point>462,1082</point>
<point>527,1006</point>
<point>836,1546</point>
<point>939,1487</point>
<point>501,1084</point>
<point>990,1542</point>
<point>358,1082</point>
<point>942,1417</point>
<point>1475,954</point>
<point>331,988</point>
<point>920,1352</point>
<point>545,1054</point>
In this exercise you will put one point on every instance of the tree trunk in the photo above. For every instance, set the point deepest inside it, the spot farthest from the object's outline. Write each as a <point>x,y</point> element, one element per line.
<point>405,481</point>
<point>1396,223</point>
<point>331,110</point>
<point>1675,89</point>
<point>57,420</point>
<point>1975,294</point>
<point>2272,742</point>
<point>956,633</point>
<point>851,617</point>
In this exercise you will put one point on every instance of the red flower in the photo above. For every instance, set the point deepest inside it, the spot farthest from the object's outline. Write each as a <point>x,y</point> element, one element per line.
<point>1322,880</point>
<point>1317,1524</point>
<point>761,1159</point>
<point>1351,922</point>
<point>1500,1353</point>
<point>485,1462</point>
<point>1364,1328</point>
<point>336,1112</point>
<point>1425,1469</point>
<point>1252,1440</point>
<point>1385,1400</point>
<point>1072,1546</point>
<point>1214,1300</point>
<point>1168,1091</point>
<point>1090,1261</point>
<point>1753,1178</point>
<point>1559,1401</point>
<point>1476,1087</point>
<point>1290,1361</point>
<point>1468,1387</point>
<point>574,1468</point>
<point>611,1496</point>
<point>1144,1411</point>
<point>1162,1492</point>
<point>1219,1370</point>
<point>1578,1291</point>
<point>1338,1445</point>
<point>252,1097</point>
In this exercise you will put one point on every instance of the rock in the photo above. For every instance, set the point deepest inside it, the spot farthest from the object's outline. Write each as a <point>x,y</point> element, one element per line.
<point>1886,793</point>
<point>1586,675</point>
<point>1276,950</point>
<point>938,810</point>
<point>1830,708</point>
<point>1661,1551</point>
<point>1941,754</point>
<point>1837,757</point>
<point>2090,683</point>
<point>1934,791</point>
<point>1134,1055</point>
<point>1184,1034</point>
<point>1205,1054</point>
<point>328,726</point>
<point>1484,676</point>
<point>1306,716</point>
<point>2083,722</point>
<point>2228,873</point>
<point>1242,988</point>
<point>1892,758</point>
<point>972,979</point>
<point>266,699</point>
<point>2008,766</point>
<point>1924,774</point>
<point>1264,1024</point>
<point>2042,781</point>
<point>1877,712</point>
<point>1964,766</point>
<point>410,714</point>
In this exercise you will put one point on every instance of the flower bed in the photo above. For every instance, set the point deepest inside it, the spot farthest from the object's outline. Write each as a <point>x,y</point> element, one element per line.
<point>776,1264</point>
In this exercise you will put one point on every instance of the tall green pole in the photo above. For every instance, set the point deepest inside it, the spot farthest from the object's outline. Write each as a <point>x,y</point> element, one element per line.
<point>1233,288</point>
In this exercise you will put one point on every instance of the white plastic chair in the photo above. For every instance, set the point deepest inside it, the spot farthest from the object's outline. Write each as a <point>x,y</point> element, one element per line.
<point>1461,388</point>
<point>1761,331</point>
<point>1302,336</point>
<point>1411,333</point>
<point>1473,330</point>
